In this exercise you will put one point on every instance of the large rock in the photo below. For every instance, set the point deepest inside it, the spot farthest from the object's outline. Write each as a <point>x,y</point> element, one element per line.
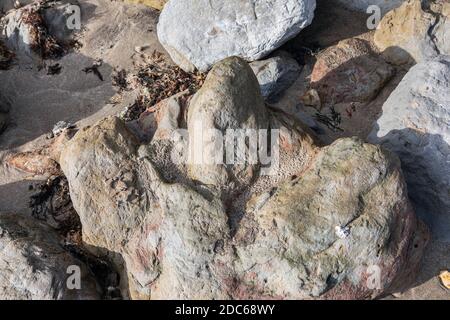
<point>173,237</point>
<point>165,233</point>
<point>275,75</point>
<point>198,34</point>
<point>34,265</point>
<point>230,99</point>
<point>323,234</point>
<point>362,5</point>
<point>415,32</point>
<point>415,124</point>
<point>349,72</point>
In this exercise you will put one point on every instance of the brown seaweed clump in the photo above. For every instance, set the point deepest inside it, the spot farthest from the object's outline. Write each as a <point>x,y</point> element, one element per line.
<point>155,81</point>
<point>43,43</point>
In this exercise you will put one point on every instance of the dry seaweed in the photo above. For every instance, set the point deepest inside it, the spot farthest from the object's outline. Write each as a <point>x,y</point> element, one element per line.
<point>54,69</point>
<point>41,41</point>
<point>155,81</point>
<point>332,121</point>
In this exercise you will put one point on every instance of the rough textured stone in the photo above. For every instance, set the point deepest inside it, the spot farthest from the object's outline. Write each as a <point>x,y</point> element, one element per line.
<point>175,238</point>
<point>229,99</point>
<point>415,32</point>
<point>275,75</point>
<point>34,264</point>
<point>349,72</point>
<point>198,34</point>
<point>362,5</point>
<point>293,250</point>
<point>415,124</point>
<point>165,232</point>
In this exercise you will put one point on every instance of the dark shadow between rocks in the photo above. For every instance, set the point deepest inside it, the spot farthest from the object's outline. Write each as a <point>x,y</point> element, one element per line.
<point>417,167</point>
<point>331,23</point>
<point>101,263</point>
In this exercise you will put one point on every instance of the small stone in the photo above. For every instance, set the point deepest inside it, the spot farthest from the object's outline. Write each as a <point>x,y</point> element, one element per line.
<point>444,276</point>
<point>60,127</point>
<point>312,99</point>
<point>275,75</point>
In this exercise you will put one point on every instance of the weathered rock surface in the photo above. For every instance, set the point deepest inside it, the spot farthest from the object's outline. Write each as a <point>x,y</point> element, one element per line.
<point>275,75</point>
<point>362,5</point>
<point>294,249</point>
<point>349,72</point>
<point>178,239</point>
<point>165,233</point>
<point>415,124</point>
<point>230,99</point>
<point>200,33</point>
<point>415,32</point>
<point>34,264</point>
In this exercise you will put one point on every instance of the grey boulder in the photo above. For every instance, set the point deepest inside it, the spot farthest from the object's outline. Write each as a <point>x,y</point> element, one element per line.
<point>415,124</point>
<point>415,32</point>
<point>275,75</point>
<point>198,34</point>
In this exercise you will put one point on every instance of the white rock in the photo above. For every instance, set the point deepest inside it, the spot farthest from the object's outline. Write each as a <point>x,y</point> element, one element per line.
<point>199,33</point>
<point>415,124</point>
